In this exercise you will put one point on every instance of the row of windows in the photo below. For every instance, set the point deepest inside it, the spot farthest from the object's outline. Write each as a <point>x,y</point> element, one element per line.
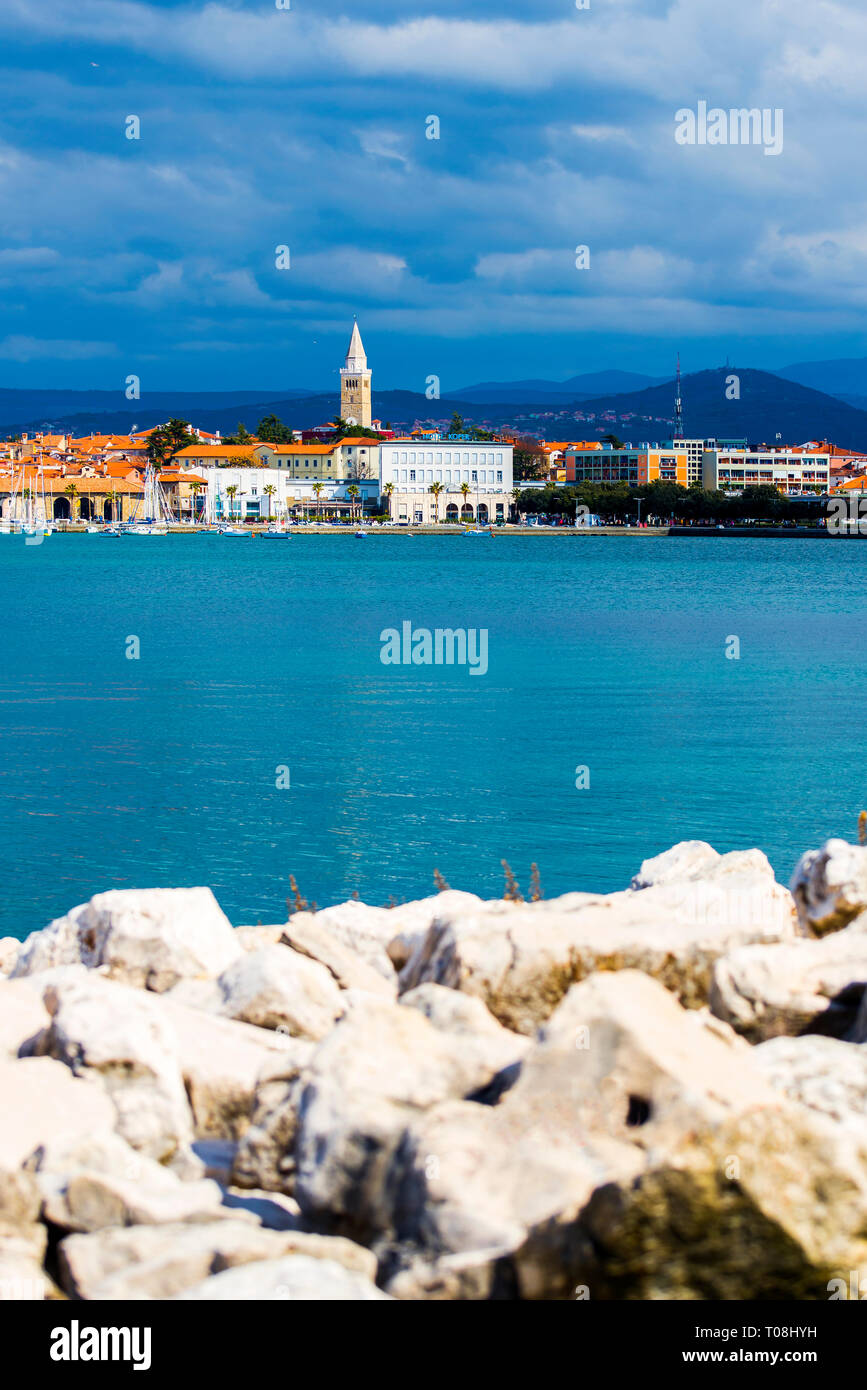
<point>471,475</point>
<point>444,456</point>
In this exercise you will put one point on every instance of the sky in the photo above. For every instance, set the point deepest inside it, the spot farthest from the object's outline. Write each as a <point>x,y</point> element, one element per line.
<point>307,127</point>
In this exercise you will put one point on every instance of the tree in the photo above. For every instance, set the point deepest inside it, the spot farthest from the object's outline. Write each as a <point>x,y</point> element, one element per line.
<point>168,440</point>
<point>195,489</point>
<point>456,425</point>
<point>317,488</point>
<point>112,497</point>
<point>353,492</point>
<point>465,488</point>
<point>271,430</point>
<point>231,493</point>
<point>241,436</point>
<point>530,460</point>
<point>436,489</point>
<point>269,491</point>
<point>388,489</point>
<point>72,492</point>
<point>613,440</point>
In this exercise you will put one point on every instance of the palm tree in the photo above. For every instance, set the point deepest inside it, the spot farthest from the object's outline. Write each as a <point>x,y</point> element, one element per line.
<point>231,493</point>
<point>111,497</point>
<point>436,489</point>
<point>352,491</point>
<point>317,488</point>
<point>465,488</point>
<point>72,492</point>
<point>388,490</point>
<point>269,493</point>
<point>195,489</point>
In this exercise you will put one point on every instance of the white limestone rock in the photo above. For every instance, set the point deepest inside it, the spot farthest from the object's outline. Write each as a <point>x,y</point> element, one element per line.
<point>295,1278</point>
<point>146,1262</point>
<point>825,1074</point>
<point>276,987</point>
<point>150,938</point>
<point>306,935</point>
<point>829,886</point>
<point>804,985</point>
<point>9,948</point>
<point>23,1016</point>
<point>41,1101</point>
<point>521,958</point>
<point>121,1036</point>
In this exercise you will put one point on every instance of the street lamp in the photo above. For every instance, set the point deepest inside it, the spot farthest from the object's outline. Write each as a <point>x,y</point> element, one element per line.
<point>639,500</point>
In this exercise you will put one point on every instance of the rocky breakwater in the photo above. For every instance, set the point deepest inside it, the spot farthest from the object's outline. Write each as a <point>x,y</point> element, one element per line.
<point>656,1093</point>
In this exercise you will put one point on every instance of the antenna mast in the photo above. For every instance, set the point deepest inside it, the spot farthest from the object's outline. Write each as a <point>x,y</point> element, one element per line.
<point>678,406</point>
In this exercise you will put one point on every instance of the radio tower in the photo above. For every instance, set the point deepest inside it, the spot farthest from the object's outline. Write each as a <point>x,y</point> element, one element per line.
<point>678,406</point>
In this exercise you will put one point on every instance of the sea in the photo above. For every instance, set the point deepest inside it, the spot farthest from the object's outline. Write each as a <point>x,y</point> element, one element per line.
<point>202,709</point>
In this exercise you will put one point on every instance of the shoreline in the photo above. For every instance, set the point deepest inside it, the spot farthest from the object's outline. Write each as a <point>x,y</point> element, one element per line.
<point>679,532</point>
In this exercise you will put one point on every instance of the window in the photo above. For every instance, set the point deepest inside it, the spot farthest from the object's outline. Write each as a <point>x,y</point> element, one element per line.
<point>439,475</point>
<point>475,477</point>
<point>412,475</point>
<point>499,477</point>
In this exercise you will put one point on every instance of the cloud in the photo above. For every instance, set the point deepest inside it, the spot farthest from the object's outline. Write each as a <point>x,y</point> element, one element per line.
<point>20,348</point>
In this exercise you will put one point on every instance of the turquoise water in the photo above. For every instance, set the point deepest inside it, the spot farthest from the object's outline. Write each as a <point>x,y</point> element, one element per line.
<point>605,652</point>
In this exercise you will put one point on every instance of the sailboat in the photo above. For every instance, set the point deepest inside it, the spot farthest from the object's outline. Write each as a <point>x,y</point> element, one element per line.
<point>155,508</point>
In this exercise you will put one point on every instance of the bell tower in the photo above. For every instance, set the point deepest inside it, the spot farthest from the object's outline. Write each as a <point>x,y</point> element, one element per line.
<point>355,377</point>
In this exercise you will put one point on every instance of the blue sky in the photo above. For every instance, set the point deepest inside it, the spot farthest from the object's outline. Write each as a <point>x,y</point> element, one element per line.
<point>306,127</point>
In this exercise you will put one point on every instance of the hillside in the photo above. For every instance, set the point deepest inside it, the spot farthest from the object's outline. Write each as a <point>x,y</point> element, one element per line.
<point>769,406</point>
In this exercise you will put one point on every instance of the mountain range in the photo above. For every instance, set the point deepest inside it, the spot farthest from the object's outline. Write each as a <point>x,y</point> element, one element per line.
<point>763,407</point>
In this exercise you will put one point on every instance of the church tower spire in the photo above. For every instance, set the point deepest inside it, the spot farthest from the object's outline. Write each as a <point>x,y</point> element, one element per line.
<point>355,384</point>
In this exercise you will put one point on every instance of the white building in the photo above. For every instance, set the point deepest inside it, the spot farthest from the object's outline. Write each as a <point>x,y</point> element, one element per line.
<point>483,468</point>
<point>792,471</point>
<point>273,493</point>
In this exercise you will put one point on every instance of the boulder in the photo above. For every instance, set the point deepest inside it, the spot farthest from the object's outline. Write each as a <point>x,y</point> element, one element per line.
<point>464,1016</point>
<point>366,931</point>
<point>22,1239</point>
<point>295,1278</point>
<point>144,1262</point>
<point>276,987</point>
<point>221,1062</point>
<point>87,1199</point>
<point>9,948</point>
<point>348,969</point>
<point>825,1074</point>
<point>149,938</point>
<point>252,938</point>
<point>409,922</point>
<point>803,986</point>
<point>265,1156</point>
<point>771,1204</point>
<point>829,886</point>
<point>377,1070</point>
<point>682,915</point>
<point>615,1077</point>
<point>22,1017</point>
<point>41,1101</point>
<point>121,1037</point>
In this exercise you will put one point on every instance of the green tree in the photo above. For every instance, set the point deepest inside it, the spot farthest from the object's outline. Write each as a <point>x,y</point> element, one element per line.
<point>241,436</point>
<point>271,430</point>
<point>72,493</point>
<point>317,488</point>
<point>231,493</point>
<point>456,425</point>
<point>168,440</point>
<point>613,440</point>
<point>353,492</point>
<point>436,489</point>
<point>269,491</point>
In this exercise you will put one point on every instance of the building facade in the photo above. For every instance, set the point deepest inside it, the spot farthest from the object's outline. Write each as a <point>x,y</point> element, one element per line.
<point>675,461</point>
<point>356,406</point>
<point>791,471</point>
<point>474,478</point>
<point>274,494</point>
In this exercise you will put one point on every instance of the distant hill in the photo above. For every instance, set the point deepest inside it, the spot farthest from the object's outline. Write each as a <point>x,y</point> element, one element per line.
<point>575,388</point>
<point>769,405</point>
<point>23,407</point>
<point>843,377</point>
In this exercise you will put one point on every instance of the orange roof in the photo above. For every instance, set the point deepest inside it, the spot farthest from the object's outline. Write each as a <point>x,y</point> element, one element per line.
<point>220,451</point>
